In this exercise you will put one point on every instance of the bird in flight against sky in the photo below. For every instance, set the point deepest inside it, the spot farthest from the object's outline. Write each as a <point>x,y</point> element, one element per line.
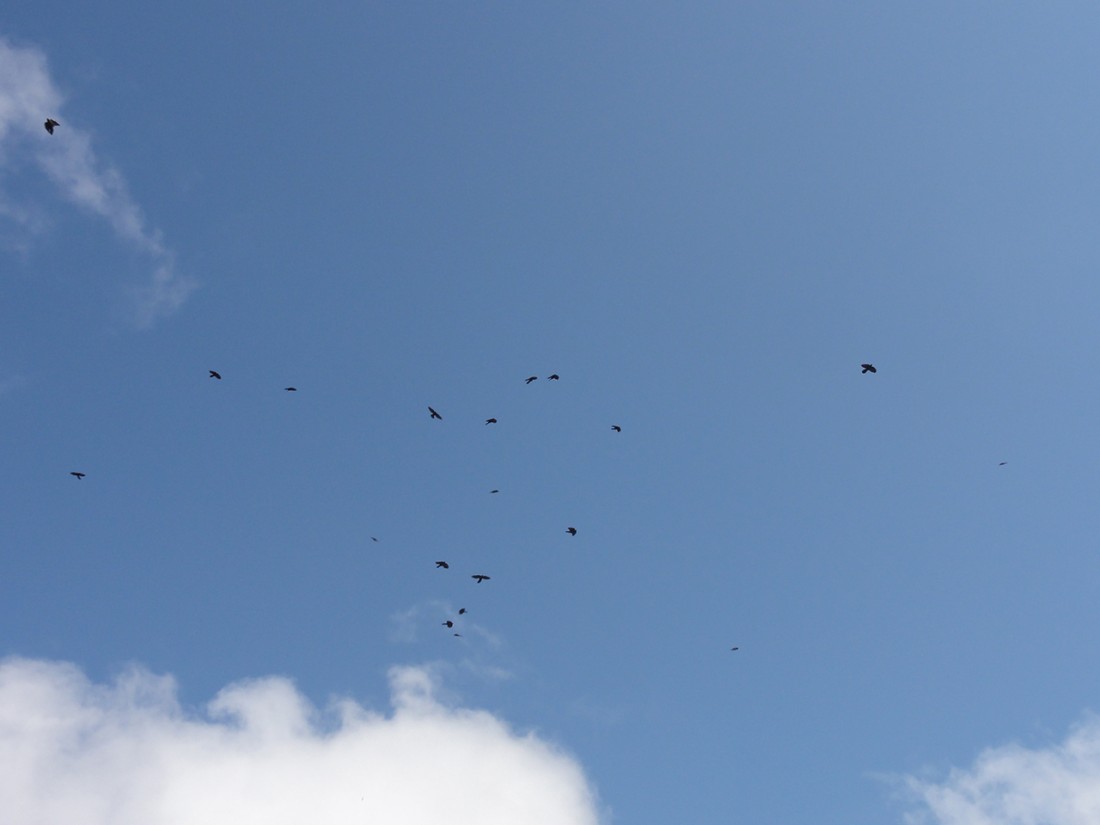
<point>616,428</point>
<point>291,389</point>
<point>868,368</point>
<point>735,648</point>
<point>78,475</point>
<point>435,414</point>
<point>490,421</point>
<point>479,578</point>
<point>443,564</point>
<point>217,375</point>
<point>448,623</point>
<point>554,377</point>
<point>494,491</point>
<point>372,538</point>
<point>1003,463</point>
<point>571,531</point>
<point>49,124</point>
<point>461,611</point>
<point>532,378</point>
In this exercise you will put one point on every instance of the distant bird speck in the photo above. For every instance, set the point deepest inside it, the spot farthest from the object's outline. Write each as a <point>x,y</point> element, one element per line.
<point>1003,463</point>
<point>735,648</point>
<point>217,375</point>
<point>868,368</point>
<point>435,414</point>
<point>50,124</point>
<point>78,475</point>
<point>372,538</point>
<point>571,531</point>
<point>461,611</point>
<point>479,578</point>
<point>443,564</point>
<point>448,623</point>
<point>616,428</point>
<point>494,491</point>
<point>554,377</point>
<point>291,389</point>
<point>532,378</point>
<point>490,421</point>
<point>458,635</point>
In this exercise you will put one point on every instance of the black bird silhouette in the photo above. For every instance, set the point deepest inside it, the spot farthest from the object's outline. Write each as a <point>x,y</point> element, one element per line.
<point>448,623</point>
<point>616,428</point>
<point>372,538</point>
<point>1003,463</point>
<point>868,368</point>
<point>291,389</point>
<point>571,531</point>
<point>78,475</point>
<point>735,648</point>
<point>49,124</point>
<point>532,378</point>
<point>494,491</point>
<point>553,377</point>
<point>479,578</point>
<point>490,421</point>
<point>435,414</point>
<point>443,564</point>
<point>458,635</point>
<point>461,611</point>
<point>217,375</point>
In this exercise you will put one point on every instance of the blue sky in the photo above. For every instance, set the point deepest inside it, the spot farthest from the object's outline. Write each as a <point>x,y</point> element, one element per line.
<point>704,218</point>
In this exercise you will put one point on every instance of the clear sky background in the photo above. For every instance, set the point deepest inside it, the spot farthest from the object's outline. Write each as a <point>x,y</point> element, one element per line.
<point>703,217</point>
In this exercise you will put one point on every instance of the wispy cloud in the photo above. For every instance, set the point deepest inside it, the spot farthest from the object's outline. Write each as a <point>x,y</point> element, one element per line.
<point>1014,785</point>
<point>127,753</point>
<point>27,96</point>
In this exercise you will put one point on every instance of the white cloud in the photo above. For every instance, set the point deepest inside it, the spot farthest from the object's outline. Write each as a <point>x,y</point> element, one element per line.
<point>127,753</point>
<point>1013,785</point>
<point>27,97</point>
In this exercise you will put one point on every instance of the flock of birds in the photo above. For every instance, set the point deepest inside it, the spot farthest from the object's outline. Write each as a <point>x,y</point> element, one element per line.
<point>442,564</point>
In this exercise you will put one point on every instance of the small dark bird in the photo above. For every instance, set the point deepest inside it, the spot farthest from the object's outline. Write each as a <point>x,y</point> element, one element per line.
<point>479,578</point>
<point>435,414</point>
<point>217,375</point>
<point>490,421</point>
<point>78,475</point>
<point>372,538</point>
<point>571,531</point>
<point>532,378</point>
<point>494,491</point>
<point>1003,463</point>
<point>461,611</point>
<point>868,368</point>
<point>735,648</point>
<point>458,635</point>
<point>291,389</point>
<point>443,564</point>
<point>553,377</point>
<point>49,124</point>
<point>616,428</point>
<point>448,623</point>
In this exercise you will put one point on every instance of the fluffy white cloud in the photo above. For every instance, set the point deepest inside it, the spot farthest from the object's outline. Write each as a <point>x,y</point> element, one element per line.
<point>1013,785</point>
<point>127,753</point>
<point>27,97</point>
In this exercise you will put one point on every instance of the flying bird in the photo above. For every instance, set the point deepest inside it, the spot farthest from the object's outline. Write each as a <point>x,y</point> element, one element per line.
<point>553,377</point>
<point>443,564</point>
<point>78,475</point>
<point>479,578</point>
<point>435,414</point>
<point>291,389</point>
<point>372,538</point>
<point>532,378</point>
<point>494,491</point>
<point>461,611</point>
<point>448,623</point>
<point>735,648</point>
<point>1003,463</point>
<point>458,635</point>
<point>49,124</point>
<point>868,368</point>
<point>217,375</point>
<point>490,421</point>
<point>571,531</point>
<point>616,428</point>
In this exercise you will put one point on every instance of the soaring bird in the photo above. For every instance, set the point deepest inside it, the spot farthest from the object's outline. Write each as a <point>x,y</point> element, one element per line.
<point>291,389</point>
<point>443,564</point>
<point>1003,463</point>
<point>868,368</point>
<point>78,475</point>
<point>435,414</point>
<point>461,611</point>
<point>479,578</point>
<point>217,375</point>
<point>735,648</point>
<point>616,428</point>
<point>571,531</point>
<point>494,491</point>
<point>553,377</point>
<point>448,623</point>
<point>490,421</point>
<point>372,538</point>
<point>532,378</point>
<point>49,124</point>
